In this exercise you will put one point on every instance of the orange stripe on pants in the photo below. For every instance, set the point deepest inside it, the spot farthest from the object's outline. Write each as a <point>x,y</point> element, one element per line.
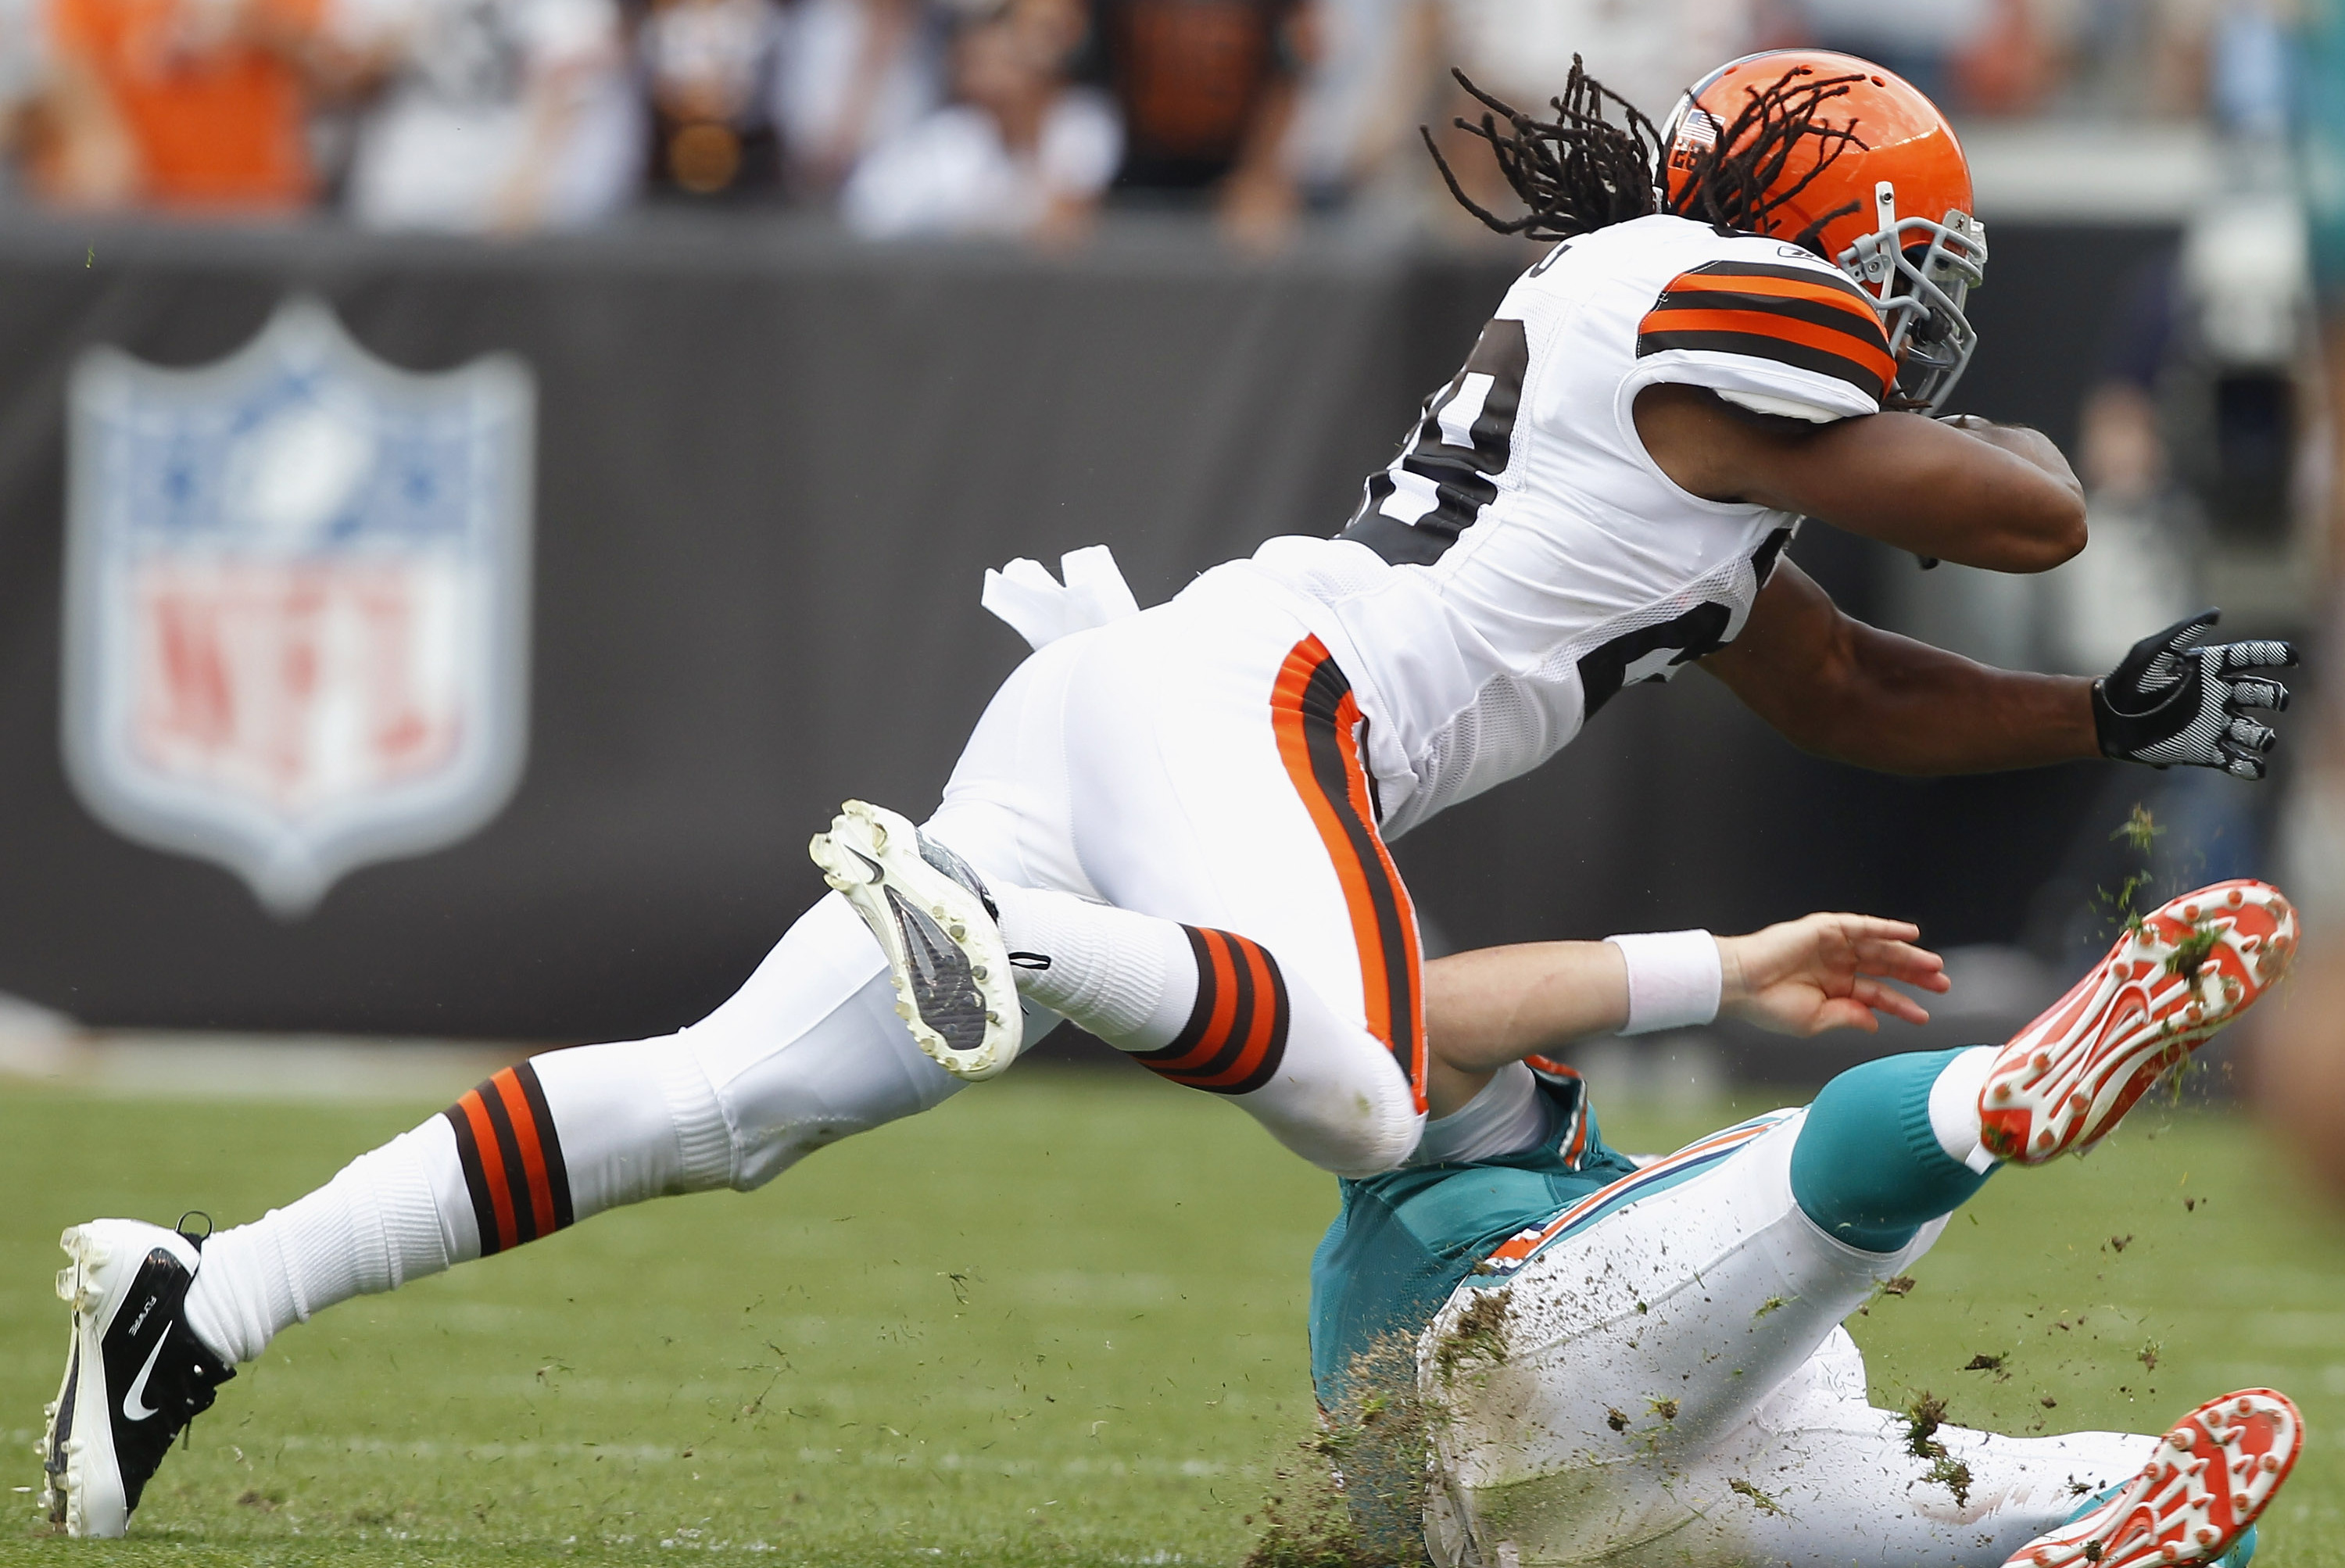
<point>1316,718</point>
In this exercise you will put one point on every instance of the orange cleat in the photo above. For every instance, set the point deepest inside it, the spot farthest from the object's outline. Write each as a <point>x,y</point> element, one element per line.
<point>2179,974</point>
<point>2199,1494</point>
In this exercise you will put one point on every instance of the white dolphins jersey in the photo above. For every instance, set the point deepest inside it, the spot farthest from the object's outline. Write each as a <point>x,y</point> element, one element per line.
<point>1523,558</point>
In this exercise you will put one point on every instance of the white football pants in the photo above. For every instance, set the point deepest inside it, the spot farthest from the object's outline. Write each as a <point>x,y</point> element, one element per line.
<point>1199,762</point>
<point>1675,1390</point>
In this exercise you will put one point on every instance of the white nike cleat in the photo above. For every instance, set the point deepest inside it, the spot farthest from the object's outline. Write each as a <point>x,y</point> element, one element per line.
<point>2196,1498</point>
<point>942,936</point>
<point>2179,974</point>
<point>136,1374</point>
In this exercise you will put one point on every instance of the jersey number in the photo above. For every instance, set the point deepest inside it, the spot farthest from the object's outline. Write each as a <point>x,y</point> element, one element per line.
<point>1651,653</point>
<point>1448,471</point>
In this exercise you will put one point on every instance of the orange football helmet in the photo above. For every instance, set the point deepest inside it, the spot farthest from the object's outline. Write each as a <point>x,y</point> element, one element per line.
<point>1879,187</point>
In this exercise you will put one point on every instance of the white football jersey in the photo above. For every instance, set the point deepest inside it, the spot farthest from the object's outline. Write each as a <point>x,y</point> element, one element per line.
<point>1523,558</point>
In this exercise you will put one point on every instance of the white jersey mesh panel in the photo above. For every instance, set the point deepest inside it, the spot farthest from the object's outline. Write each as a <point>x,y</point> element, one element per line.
<point>1515,723</point>
<point>1733,583</point>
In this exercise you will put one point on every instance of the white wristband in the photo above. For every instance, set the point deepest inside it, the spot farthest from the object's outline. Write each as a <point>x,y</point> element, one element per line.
<point>1674,978</point>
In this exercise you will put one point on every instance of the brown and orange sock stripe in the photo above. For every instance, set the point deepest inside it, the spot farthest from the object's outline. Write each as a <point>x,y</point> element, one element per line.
<point>1236,1034</point>
<point>512,1156</point>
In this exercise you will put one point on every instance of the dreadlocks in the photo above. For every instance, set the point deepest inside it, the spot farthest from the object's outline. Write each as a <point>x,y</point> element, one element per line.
<point>1580,172</point>
<point>1577,173</point>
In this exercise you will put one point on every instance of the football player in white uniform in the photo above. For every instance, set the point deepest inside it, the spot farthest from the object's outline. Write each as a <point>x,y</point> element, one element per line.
<point>1172,827</point>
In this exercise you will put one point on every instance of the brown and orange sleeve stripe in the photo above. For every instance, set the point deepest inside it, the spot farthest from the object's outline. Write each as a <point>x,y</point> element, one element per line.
<point>1316,716</point>
<point>1803,317</point>
<point>1236,1034</point>
<point>512,1157</point>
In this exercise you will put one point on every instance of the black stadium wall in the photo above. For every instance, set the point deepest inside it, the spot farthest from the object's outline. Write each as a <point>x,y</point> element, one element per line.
<point>771,467</point>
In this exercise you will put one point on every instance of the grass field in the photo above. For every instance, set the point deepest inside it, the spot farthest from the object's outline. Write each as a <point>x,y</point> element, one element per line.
<point>1058,1321</point>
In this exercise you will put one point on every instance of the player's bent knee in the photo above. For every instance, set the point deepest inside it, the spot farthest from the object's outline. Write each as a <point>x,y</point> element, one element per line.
<point>1361,1128</point>
<point>1383,1147</point>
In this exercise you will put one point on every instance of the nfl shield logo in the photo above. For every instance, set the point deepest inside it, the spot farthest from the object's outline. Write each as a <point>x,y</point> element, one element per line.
<point>296,603</point>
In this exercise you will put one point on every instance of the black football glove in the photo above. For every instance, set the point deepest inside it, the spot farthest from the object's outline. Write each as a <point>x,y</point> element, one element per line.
<point>2172,702</point>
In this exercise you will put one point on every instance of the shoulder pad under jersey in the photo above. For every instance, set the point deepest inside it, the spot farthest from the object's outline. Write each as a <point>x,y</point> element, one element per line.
<point>1772,328</point>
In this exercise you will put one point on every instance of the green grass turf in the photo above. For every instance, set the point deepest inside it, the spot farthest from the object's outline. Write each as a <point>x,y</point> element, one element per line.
<point>1058,1321</point>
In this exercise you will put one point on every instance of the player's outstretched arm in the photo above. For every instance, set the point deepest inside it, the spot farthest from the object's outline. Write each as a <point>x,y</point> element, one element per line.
<point>1963,489</point>
<point>1840,688</point>
<point>1499,1004</point>
<point>1835,687</point>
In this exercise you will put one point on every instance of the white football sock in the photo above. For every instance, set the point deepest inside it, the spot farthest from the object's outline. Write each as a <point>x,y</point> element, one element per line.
<point>1954,1106</point>
<point>379,1223</point>
<point>624,1123</point>
<point>807,1051</point>
<point>1130,979</point>
<point>635,1120</point>
<point>1211,1010</point>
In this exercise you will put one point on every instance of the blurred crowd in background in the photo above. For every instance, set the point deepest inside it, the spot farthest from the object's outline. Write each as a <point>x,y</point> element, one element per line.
<point>1019,117</point>
<point>2205,439</point>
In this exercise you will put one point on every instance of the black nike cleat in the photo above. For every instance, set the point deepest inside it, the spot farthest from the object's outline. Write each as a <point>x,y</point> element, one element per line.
<point>135,1377</point>
<point>937,925</point>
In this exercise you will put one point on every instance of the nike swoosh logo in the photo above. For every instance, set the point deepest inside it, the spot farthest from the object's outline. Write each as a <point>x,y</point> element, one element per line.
<point>134,1403</point>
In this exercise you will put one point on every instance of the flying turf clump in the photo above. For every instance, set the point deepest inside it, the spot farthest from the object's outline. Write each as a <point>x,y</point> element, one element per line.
<point>1953,1475</point>
<point>1759,1500</point>
<point>2187,963</point>
<point>2192,953</point>
<point>2122,910</point>
<point>2141,832</point>
<point>2140,829</point>
<point>2175,1082</point>
<point>1924,1416</point>
<point>1311,1529</point>
<point>1903,1285</point>
<point>1480,1334</point>
<point>1359,1500</point>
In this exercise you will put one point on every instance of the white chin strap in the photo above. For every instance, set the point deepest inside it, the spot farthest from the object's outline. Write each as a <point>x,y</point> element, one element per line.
<point>1920,299</point>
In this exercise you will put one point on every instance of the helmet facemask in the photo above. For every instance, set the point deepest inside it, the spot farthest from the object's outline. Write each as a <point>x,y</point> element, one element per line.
<point>1919,273</point>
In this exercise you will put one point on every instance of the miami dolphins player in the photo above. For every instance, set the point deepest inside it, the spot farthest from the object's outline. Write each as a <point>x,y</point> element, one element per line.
<point>1646,1366</point>
<point>1173,825</point>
